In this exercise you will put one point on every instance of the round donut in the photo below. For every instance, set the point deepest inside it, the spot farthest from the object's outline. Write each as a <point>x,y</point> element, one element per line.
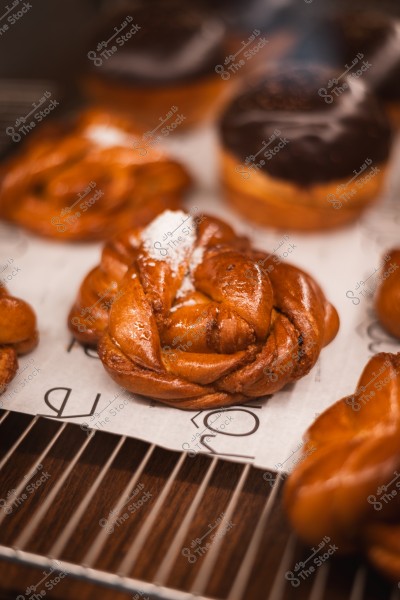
<point>339,38</point>
<point>294,155</point>
<point>167,62</point>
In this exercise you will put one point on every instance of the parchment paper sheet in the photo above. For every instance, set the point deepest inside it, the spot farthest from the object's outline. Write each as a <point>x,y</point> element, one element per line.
<point>267,432</point>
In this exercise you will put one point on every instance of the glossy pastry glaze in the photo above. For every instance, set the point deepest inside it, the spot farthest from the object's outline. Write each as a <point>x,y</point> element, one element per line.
<point>309,140</point>
<point>387,302</point>
<point>343,485</point>
<point>211,324</point>
<point>18,334</point>
<point>102,281</point>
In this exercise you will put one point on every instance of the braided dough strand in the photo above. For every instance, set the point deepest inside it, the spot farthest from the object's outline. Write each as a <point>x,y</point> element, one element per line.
<point>337,489</point>
<point>210,323</point>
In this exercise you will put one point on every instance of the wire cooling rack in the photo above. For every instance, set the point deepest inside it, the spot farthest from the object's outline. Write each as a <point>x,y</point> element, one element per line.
<point>118,513</point>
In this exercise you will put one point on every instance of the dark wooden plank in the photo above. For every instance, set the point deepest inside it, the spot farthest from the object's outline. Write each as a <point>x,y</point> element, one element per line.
<point>176,505</point>
<point>114,482</point>
<point>220,489</point>
<point>153,480</point>
<point>11,429</point>
<point>245,521</point>
<point>214,503</point>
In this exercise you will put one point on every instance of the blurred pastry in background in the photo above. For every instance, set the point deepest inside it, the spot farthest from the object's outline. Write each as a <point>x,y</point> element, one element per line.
<point>258,32</point>
<point>363,43</point>
<point>154,58</point>
<point>345,485</point>
<point>18,334</point>
<point>387,301</point>
<point>295,157</point>
<point>88,178</point>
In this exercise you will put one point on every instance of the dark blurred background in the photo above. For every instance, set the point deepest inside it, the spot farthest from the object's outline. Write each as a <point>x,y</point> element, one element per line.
<point>46,49</point>
<point>50,40</point>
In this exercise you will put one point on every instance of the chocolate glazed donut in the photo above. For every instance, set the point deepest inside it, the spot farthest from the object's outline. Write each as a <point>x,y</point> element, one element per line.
<point>338,38</point>
<point>169,59</point>
<point>289,155</point>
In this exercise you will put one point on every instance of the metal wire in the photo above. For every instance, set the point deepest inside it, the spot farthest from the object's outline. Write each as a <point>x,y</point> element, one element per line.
<point>203,576</point>
<point>357,592</point>
<point>121,580</point>
<point>319,585</point>
<point>128,562</point>
<point>32,525</point>
<point>65,536</point>
<point>24,482</point>
<point>96,576</point>
<point>18,442</point>
<point>176,545</point>
<point>240,582</point>
<point>279,584</point>
<point>4,417</point>
<point>101,538</point>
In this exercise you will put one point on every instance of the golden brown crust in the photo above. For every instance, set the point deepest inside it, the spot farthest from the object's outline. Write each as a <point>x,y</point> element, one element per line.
<point>88,317</point>
<point>245,327</point>
<point>196,101</point>
<point>277,203</point>
<point>339,488</point>
<point>18,334</point>
<point>387,302</point>
<point>8,366</point>
<point>122,181</point>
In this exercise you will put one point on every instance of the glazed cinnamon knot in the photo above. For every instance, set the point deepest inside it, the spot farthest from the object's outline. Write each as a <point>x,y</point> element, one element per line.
<point>387,302</point>
<point>89,179</point>
<point>18,334</point>
<point>198,319</point>
<point>348,487</point>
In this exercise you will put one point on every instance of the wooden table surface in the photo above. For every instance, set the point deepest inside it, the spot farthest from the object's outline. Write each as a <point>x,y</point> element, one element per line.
<point>66,482</point>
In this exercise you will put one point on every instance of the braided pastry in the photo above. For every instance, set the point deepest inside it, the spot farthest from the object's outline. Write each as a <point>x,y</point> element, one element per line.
<point>197,319</point>
<point>347,486</point>
<point>387,302</point>
<point>89,316</point>
<point>18,334</point>
<point>89,180</point>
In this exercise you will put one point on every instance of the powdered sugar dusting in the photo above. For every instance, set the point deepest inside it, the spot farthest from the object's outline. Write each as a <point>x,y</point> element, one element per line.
<point>197,258</point>
<point>187,283</point>
<point>186,287</point>
<point>189,302</point>
<point>107,136</point>
<point>170,237</point>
